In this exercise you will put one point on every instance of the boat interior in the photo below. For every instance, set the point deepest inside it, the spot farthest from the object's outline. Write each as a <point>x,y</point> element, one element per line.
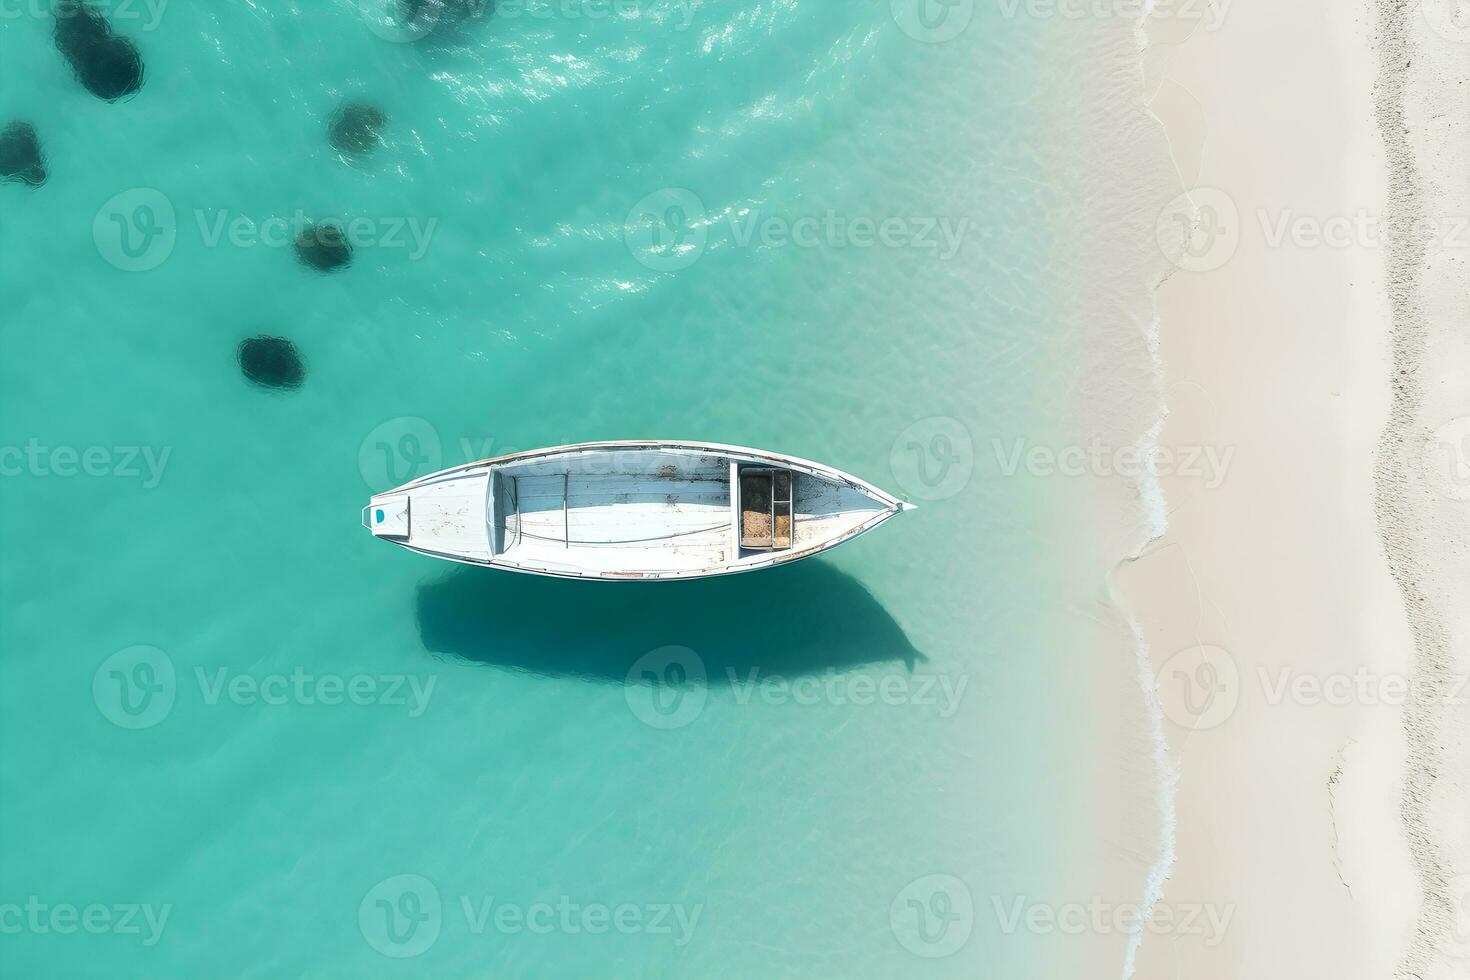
<point>651,510</point>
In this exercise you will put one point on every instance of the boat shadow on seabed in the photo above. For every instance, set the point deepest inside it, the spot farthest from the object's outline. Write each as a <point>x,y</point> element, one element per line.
<point>807,618</point>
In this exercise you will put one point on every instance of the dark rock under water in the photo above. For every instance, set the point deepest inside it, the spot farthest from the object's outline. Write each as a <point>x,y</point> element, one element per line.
<point>424,17</point>
<point>356,128</point>
<point>109,66</point>
<point>271,362</point>
<point>323,247</point>
<point>20,155</point>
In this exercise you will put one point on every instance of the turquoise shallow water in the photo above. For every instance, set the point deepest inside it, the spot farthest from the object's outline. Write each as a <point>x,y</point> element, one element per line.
<point>602,199</point>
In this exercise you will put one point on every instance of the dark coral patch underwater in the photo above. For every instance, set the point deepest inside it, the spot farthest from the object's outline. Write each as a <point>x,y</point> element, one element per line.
<point>356,128</point>
<point>271,362</point>
<point>20,155</point>
<point>109,66</point>
<point>323,247</point>
<point>415,19</point>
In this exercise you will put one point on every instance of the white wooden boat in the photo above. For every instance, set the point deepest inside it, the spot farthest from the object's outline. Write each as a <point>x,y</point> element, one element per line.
<point>630,510</point>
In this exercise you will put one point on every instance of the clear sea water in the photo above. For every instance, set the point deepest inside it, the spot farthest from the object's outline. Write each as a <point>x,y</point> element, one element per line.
<point>587,175</point>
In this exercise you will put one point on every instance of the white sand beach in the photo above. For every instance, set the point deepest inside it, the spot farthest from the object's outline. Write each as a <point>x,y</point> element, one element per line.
<point>1319,794</point>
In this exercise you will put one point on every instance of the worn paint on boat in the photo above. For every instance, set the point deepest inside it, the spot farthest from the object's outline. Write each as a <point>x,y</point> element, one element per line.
<point>630,511</point>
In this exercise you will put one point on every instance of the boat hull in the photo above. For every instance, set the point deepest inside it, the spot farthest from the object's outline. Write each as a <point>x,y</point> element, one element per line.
<point>630,511</point>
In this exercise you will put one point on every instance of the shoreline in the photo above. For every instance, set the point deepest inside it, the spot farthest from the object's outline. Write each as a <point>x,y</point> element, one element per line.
<point>1265,596</point>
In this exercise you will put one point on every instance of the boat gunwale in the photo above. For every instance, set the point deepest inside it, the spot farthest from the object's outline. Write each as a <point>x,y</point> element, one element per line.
<point>714,448</point>
<point>709,571</point>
